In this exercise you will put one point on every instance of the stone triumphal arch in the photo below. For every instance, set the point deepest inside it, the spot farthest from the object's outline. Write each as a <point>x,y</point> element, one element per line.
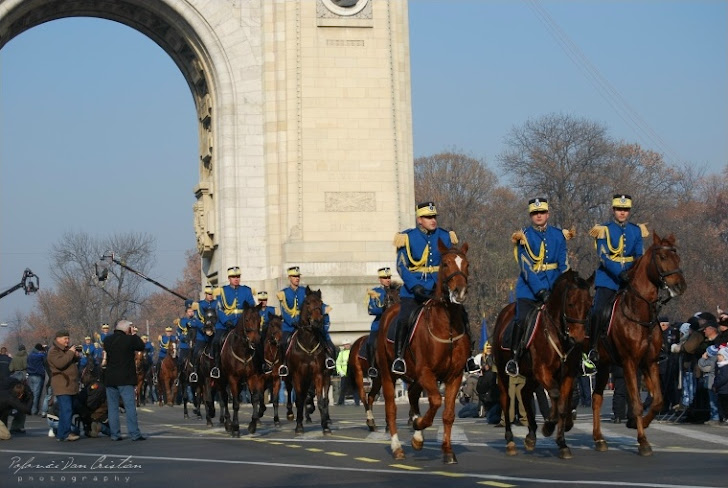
<point>305,131</point>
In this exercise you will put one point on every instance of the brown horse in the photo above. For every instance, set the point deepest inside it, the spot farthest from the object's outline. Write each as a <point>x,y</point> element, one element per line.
<point>205,385</point>
<point>239,358</point>
<point>439,348</point>
<point>140,364</point>
<point>306,357</point>
<point>634,339</point>
<point>273,357</point>
<point>358,365</point>
<point>555,358</point>
<point>168,375</point>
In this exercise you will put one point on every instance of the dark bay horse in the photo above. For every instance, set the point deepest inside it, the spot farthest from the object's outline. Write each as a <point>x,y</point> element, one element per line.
<point>306,357</point>
<point>272,355</point>
<point>553,358</point>
<point>438,349</point>
<point>239,358</point>
<point>358,365</point>
<point>168,375</point>
<point>142,368</point>
<point>205,385</point>
<point>634,339</point>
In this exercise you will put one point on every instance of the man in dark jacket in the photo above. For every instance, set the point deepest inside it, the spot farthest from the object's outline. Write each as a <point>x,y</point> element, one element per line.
<point>120,378</point>
<point>36,375</point>
<point>16,397</point>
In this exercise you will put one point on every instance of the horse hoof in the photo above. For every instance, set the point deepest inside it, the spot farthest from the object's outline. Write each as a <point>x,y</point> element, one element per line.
<point>199,417</point>
<point>251,427</point>
<point>299,431</point>
<point>417,444</point>
<point>449,458</point>
<point>236,433</point>
<point>289,417</point>
<point>565,453</point>
<point>645,450</point>
<point>309,421</point>
<point>187,416</point>
<point>398,454</point>
<point>327,431</point>
<point>372,427</point>
<point>600,445</point>
<point>529,443</point>
<point>209,423</point>
<point>511,449</point>
<point>277,423</point>
<point>548,429</point>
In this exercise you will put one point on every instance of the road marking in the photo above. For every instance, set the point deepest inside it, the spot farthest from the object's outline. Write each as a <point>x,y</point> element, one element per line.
<point>337,454</point>
<point>314,449</point>
<point>367,460</point>
<point>448,473</point>
<point>398,469</point>
<point>495,483</point>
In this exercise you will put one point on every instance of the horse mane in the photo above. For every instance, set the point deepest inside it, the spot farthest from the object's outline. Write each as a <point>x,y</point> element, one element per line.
<point>572,276</point>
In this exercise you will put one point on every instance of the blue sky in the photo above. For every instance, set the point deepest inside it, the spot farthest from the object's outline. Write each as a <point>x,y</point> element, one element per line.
<point>97,122</point>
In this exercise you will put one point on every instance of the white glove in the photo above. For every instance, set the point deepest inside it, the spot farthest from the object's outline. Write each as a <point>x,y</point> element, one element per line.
<point>675,348</point>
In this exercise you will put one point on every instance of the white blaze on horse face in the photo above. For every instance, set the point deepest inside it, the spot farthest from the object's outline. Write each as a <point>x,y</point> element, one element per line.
<point>459,262</point>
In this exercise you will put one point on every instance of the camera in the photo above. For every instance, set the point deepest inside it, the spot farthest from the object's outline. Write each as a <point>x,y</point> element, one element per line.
<point>78,348</point>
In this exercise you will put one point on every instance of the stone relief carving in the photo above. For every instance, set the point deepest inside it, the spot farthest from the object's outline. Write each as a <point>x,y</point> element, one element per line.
<point>349,202</point>
<point>336,9</point>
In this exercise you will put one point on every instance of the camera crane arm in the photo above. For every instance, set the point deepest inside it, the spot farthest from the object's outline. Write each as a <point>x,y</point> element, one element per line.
<point>102,273</point>
<point>30,283</point>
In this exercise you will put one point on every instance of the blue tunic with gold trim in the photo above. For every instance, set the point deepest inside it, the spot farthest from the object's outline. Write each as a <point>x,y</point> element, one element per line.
<point>541,257</point>
<point>377,300</point>
<point>291,301</point>
<point>618,246</point>
<point>418,258</point>
<point>230,305</point>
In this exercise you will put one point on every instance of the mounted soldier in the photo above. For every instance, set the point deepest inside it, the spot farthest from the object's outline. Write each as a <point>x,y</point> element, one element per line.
<point>229,307</point>
<point>265,312</point>
<point>418,261</point>
<point>618,244</point>
<point>540,251</point>
<point>377,304</point>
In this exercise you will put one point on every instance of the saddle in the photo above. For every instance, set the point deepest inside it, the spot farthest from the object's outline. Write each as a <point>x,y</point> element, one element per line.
<point>412,322</point>
<point>533,320</point>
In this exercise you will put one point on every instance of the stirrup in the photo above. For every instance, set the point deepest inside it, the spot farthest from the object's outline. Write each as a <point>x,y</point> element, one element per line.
<point>193,377</point>
<point>593,356</point>
<point>512,367</point>
<point>372,372</point>
<point>283,370</point>
<point>330,363</point>
<point>399,366</point>
<point>587,366</point>
<point>215,372</point>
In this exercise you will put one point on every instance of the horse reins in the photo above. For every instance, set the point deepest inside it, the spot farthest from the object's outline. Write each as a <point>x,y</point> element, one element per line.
<point>563,330</point>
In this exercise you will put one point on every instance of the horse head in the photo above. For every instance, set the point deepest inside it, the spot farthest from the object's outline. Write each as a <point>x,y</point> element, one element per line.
<point>274,333</point>
<point>452,278</point>
<point>392,295</point>
<point>664,266</point>
<point>91,372</point>
<point>248,326</point>
<point>209,321</point>
<point>312,313</point>
<point>173,347</point>
<point>571,301</point>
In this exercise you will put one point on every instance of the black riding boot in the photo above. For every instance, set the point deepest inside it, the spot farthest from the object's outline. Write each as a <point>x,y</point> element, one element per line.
<point>400,338</point>
<point>512,364</point>
<point>215,371</point>
<point>594,329</point>
<point>283,368</point>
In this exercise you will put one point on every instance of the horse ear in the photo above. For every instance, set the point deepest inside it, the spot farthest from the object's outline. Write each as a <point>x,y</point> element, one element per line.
<point>464,249</point>
<point>441,246</point>
<point>655,238</point>
<point>671,239</point>
<point>308,289</point>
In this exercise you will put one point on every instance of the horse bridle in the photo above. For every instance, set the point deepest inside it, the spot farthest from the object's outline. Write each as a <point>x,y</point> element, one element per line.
<point>564,326</point>
<point>452,275</point>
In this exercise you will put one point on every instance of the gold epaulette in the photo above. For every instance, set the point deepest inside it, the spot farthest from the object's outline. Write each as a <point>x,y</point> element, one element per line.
<point>252,290</point>
<point>97,336</point>
<point>216,292</point>
<point>400,240</point>
<point>643,229</point>
<point>373,293</point>
<point>159,339</point>
<point>569,233</point>
<point>598,231</point>
<point>195,306</point>
<point>281,296</point>
<point>453,237</point>
<point>176,322</point>
<point>518,237</point>
<point>328,309</point>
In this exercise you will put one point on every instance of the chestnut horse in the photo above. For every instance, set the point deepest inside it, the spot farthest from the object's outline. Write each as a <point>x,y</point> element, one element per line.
<point>239,358</point>
<point>555,358</point>
<point>634,339</point>
<point>438,349</point>
<point>358,364</point>
<point>306,356</point>
<point>168,375</point>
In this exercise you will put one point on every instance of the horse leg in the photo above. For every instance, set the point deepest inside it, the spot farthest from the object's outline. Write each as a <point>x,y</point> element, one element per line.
<point>552,388</point>
<point>528,405</point>
<point>209,400</point>
<point>390,410</point>
<point>256,398</point>
<point>185,399</point>
<point>652,381</point>
<point>235,394</point>
<point>564,411</point>
<point>505,400</point>
<point>448,417</point>
<point>301,395</point>
<point>224,412</point>
<point>275,392</point>
<point>369,403</point>
<point>322,399</point>
<point>428,382</point>
<point>600,444</point>
<point>630,380</point>
<point>289,403</point>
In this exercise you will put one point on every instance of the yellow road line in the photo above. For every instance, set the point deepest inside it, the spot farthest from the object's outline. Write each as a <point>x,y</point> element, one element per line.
<point>367,460</point>
<point>314,449</point>
<point>337,454</point>
<point>495,483</point>
<point>447,473</point>
<point>404,466</point>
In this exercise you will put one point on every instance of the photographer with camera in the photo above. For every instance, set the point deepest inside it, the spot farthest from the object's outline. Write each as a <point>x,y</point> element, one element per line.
<point>63,362</point>
<point>120,378</point>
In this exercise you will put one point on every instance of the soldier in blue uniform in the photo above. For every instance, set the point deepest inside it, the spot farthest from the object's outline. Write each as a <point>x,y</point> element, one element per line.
<point>185,328</point>
<point>104,332</point>
<point>377,302</point>
<point>88,352</point>
<point>164,342</point>
<point>229,307</point>
<point>290,298</point>
<point>148,351</point>
<point>201,340</point>
<point>540,251</point>
<point>418,261</point>
<point>618,244</point>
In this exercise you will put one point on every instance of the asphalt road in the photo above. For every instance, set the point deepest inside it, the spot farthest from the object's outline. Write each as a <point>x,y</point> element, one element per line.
<point>185,453</point>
